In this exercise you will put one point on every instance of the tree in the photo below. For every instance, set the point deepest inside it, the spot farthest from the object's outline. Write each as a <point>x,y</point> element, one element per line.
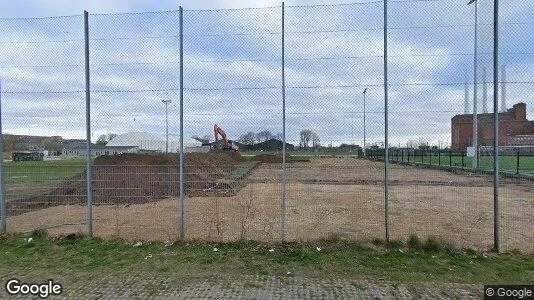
<point>264,135</point>
<point>248,138</point>
<point>411,143</point>
<point>315,140</point>
<point>105,138</point>
<point>52,144</point>
<point>306,136</point>
<point>10,141</point>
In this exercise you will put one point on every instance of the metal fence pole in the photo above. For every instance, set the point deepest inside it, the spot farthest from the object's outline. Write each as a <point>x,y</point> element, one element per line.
<point>89,174</point>
<point>3,208</point>
<point>517,162</point>
<point>386,179</point>
<point>182,164</point>
<point>284,170</point>
<point>496,125</point>
<point>475,89</point>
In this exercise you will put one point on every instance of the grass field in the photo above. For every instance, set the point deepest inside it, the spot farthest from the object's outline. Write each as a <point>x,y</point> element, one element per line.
<point>507,164</point>
<point>42,171</point>
<point>78,258</point>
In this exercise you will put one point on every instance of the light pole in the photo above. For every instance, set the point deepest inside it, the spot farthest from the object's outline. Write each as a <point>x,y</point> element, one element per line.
<point>364,128</point>
<point>166,102</point>
<point>475,87</point>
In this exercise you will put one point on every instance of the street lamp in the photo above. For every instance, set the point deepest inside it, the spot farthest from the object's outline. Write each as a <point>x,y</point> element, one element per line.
<point>166,102</point>
<point>364,91</point>
<point>475,87</point>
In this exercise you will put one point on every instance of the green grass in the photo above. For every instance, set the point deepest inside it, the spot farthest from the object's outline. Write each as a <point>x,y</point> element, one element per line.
<point>92,257</point>
<point>506,163</point>
<point>42,171</point>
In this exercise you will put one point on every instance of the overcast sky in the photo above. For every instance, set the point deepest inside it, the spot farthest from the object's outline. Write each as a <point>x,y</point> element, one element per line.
<point>232,68</point>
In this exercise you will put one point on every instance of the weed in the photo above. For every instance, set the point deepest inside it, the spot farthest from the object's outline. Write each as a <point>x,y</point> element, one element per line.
<point>432,245</point>
<point>39,233</point>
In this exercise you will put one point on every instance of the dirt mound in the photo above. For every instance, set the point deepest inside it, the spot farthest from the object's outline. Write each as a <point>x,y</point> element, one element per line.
<point>133,159</point>
<point>268,158</point>
<point>142,178</point>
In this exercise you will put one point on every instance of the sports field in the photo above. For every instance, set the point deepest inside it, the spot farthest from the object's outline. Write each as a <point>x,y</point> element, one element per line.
<point>326,197</point>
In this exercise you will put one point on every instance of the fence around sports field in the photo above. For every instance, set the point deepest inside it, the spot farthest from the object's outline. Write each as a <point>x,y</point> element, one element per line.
<point>518,162</point>
<point>319,80</point>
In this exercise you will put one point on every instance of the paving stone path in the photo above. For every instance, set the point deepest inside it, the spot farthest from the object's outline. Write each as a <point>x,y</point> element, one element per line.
<point>139,285</point>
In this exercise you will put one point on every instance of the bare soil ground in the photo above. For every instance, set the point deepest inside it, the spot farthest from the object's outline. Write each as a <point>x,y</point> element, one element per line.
<point>136,179</point>
<point>326,198</point>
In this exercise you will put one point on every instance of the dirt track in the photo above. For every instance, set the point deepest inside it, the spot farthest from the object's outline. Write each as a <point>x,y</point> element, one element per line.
<point>460,210</point>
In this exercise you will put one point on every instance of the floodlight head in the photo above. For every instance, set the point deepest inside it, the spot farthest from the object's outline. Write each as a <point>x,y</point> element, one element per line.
<point>365,90</point>
<point>471,2</point>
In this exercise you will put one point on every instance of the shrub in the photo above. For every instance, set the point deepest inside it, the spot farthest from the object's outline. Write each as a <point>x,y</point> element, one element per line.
<point>414,242</point>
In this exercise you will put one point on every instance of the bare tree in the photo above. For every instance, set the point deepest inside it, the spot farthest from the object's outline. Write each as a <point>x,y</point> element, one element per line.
<point>315,140</point>
<point>264,135</point>
<point>411,143</point>
<point>306,136</point>
<point>422,142</point>
<point>248,138</point>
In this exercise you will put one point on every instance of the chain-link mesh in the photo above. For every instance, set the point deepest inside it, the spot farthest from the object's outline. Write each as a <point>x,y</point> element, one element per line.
<point>135,108</point>
<point>334,52</point>
<point>232,78</point>
<point>41,68</point>
<point>438,183</point>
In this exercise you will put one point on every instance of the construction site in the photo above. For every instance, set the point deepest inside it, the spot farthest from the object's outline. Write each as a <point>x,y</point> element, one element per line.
<point>125,139</point>
<point>230,197</point>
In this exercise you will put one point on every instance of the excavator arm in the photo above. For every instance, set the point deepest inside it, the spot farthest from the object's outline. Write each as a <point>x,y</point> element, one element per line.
<point>217,131</point>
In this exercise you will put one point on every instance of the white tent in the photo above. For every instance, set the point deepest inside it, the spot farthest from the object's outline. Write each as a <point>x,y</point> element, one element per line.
<point>153,141</point>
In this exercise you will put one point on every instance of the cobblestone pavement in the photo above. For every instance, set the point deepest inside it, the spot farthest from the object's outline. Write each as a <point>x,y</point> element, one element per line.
<point>152,286</point>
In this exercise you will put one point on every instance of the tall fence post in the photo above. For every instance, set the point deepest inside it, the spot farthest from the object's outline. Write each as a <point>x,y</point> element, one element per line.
<point>284,170</point>
<point>182,164</point>
<point>3,208</point>
<point>88,161</point>
<point>386,162</point>
<point>496,125</point>
<point>517,162</point>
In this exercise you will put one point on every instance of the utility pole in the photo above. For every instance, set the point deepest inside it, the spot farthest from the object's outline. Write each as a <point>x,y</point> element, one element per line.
<point>166,102</point>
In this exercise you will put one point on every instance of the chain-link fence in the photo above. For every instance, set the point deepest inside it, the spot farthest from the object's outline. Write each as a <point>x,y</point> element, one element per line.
<point>307,77</point>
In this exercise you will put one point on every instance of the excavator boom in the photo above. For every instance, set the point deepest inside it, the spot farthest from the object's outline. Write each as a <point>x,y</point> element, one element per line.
<point>218,131</point>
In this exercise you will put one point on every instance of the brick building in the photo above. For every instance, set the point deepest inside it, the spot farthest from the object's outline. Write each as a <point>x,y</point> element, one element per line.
<point>514,129</point>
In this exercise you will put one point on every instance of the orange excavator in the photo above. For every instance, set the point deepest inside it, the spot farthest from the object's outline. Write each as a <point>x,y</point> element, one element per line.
<point>224,144</point>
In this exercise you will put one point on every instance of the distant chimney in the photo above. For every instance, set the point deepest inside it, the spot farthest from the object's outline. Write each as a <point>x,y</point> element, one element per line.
<point>503,89</point>
<point>466,95</point>
<point>484,91</point>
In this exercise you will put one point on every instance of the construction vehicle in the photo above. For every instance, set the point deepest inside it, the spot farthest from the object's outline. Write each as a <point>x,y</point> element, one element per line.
<point>223,144</point>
